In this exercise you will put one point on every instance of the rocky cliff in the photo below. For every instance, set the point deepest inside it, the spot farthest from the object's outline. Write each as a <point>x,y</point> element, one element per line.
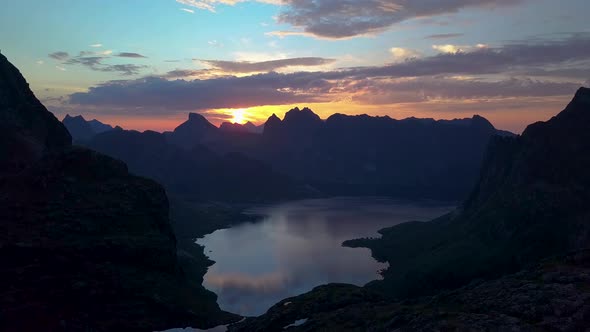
<point>84,245</point>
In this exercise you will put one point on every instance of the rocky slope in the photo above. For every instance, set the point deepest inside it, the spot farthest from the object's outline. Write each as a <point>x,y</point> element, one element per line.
<point>552,296</point>
<point>84,244</point>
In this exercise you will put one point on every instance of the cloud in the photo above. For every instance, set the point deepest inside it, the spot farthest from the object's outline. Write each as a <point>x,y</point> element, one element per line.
<point>187,10</point>
<point>59,55</point>
<point>444,36</point>
<point>427,89</point>
<point>130,55</point>
<point>450,48</point>
<point>230,92</point>
<point>210,4</point>
<point>95,53</point>
<point>124,69</point>
<point>338,19</point>
<point>94,61</point>
<point>96,45</point>
<point>215,43</point>
<point>479,73</point>
<point>403,54</point>
<point>264,66</point>
<point>40,62</point>
<point>88,61</point>
<point>60,68</point>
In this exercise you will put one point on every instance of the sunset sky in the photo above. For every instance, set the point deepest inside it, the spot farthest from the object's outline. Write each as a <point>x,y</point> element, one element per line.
<point>146,64</point>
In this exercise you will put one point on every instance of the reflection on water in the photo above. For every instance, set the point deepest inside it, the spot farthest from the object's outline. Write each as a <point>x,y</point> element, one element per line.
<point>297,246</point>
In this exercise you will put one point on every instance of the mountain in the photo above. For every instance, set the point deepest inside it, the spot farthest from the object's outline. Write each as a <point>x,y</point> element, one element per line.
<point>248,127</point>
<point>514,256</point>
<point>99,127</point>
<point>82,130</point>
<point>530,203</point>
<point>196,130</point>
<point>197,174</point>
<point>84,244</point>
<point>365,155</point>
<point>357,155</point>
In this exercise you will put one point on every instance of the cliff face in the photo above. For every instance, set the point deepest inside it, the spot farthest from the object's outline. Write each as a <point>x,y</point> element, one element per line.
<point>27,129</point>
<point>84,245</point>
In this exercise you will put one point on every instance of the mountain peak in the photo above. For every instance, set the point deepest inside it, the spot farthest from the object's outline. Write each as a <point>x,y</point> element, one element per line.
<point>582,95</point>
<point>28,119</point>
<point>196,117</point>
<point>273,119</point>
<point>198,120</point>
<point>304,115</point>
<point>479,120</point>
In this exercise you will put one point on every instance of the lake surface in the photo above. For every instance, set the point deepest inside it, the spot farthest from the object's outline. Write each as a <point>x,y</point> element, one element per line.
<point>296,246</point>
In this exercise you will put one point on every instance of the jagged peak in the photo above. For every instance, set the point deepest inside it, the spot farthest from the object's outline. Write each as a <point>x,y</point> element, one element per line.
<point>21,110</point>
<point>481,121</point>
<point>305,113</point>
<point>75,117</point>
<point>582,95</point>
<point>196,116</point>
<point>273,118</point>
<point>573,119</point>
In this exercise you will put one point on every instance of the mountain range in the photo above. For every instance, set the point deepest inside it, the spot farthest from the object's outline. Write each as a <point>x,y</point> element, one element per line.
<point>305,156</point>
<point>83,130</point>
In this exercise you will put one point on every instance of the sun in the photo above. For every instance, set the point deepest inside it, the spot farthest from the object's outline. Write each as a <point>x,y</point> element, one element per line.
<point>238,116</point>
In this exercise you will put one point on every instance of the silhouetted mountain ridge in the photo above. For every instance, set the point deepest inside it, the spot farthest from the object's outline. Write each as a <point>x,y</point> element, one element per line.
<point>83,130</point>
<point>84,244</point>
<point>367,155</point>
<point>192,132</point>
<point>197,173</point>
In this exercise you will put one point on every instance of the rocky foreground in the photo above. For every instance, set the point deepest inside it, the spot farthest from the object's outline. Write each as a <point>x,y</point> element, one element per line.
<point>552,296</point>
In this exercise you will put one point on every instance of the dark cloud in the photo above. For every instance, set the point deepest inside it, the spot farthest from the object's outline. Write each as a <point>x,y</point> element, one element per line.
<point>444,36</point>
<point>483,73</point>
<point>94,62</point>
<point>426,88</point>
<point>265,66</point>
<point>227,92</point>
<point>130,55</point>
<point>124,69</point>
<point>59,55</point>
<point>505,59</point>
<point>350,18</point>
<point>88,61</point>
<point>184,73</point>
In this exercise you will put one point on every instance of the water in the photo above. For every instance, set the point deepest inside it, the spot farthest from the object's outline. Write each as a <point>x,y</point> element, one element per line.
<point>296,246</point>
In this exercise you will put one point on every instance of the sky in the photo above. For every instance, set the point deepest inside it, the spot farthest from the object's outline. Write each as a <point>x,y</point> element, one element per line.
<point>147,64</point>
